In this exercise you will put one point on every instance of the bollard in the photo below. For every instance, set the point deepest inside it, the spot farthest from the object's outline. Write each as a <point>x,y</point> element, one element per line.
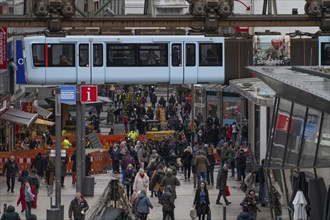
<point>224,212</point>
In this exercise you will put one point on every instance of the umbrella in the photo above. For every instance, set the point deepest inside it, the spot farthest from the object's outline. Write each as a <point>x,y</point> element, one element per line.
<point>299,204</point>
<point>326,211</point>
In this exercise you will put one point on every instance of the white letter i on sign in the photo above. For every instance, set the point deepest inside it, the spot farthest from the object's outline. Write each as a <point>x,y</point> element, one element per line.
<point>88,94</point>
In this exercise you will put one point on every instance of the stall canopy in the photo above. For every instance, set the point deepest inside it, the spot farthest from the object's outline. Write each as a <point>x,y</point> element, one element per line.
<point>44,122</point>
<point>19,117</point>
<point>43,112</point>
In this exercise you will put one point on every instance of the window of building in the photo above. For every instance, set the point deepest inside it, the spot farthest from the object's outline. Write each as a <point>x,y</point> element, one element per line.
<point>323,152</point>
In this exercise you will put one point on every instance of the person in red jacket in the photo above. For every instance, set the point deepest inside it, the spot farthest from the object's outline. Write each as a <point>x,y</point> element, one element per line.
<point>21,198</point>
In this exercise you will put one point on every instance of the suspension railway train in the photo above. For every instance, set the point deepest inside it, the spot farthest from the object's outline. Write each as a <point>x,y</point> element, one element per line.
<point>124,59</point>
<point>162,59</point>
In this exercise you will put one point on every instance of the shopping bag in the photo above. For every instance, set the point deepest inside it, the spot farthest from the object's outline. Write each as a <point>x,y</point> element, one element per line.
<point>193,213</point>
<point>227,191</point>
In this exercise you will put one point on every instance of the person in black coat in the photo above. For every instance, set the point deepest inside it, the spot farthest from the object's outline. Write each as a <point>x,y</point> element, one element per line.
<point>167,202</point>
<point>115,157</point>
<point>241,165</point>
<point>10,169</point>
<point>210,169</point>
<point>39,164</point>
<point>10,214</point>
<point>186,160</point>
<point>202,201</point>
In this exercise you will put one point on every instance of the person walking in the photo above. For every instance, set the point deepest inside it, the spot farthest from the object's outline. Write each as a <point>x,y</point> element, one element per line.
<point>261,180</point>
<point>170,179</point>
<point>39,164</point>
<point>241,165</point>
<point>221,184</point>
<point>201,164</point>
<point>142,205</point>
<point>129,180</point>
<point>202,201</point>
<point>64,161</point>
<point>141,181</point>
<point>115,157</point>
<point>74,167</point>
<point>10,214</point>
<point>10,169</point>
<point>29,199</point>
<point>186,160</point>
<point>210,168</point>
<point>167,202</point>
<point>78,207</point>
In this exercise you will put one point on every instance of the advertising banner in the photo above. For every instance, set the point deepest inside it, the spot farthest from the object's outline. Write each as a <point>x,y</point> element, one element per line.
<point>3,48</point>
<point>271,50</point>
<point>20,72</point>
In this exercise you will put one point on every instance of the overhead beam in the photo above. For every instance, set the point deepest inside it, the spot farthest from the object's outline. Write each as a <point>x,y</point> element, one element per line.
<point>166,21</point>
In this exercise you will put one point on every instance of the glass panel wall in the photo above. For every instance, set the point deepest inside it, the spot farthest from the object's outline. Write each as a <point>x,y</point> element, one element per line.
<point>295,135</point>
<point>280,133</point>
<point>323,156</point>
<point>310,138</point>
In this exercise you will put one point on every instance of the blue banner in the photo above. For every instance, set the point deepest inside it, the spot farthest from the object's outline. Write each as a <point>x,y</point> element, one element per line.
<point>9,50</point>
<point>68,93</point>
<point>20,75</point>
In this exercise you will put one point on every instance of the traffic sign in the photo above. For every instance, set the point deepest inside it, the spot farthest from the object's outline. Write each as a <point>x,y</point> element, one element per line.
<point>226,115</point>
<point>88,93</point>
<point>68,93</point>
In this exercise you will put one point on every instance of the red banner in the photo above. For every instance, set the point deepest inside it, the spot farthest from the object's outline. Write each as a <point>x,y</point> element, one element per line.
<point>3,48</point>
<point>282,123</point>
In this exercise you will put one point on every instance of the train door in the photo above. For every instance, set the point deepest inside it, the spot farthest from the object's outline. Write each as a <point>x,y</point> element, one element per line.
<point>98,69</point>
<point>83,69</point>
<point>190,68</point>
<point>176,67</point>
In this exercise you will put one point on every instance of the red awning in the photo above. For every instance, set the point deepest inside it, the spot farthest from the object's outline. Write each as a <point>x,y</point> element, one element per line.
<point>19,117</point>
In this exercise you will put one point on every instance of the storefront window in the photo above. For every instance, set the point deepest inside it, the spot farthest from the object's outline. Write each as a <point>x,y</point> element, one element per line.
<point>280,133</point>
<point>323,156</point>
<point>310,138</point>
<point>295,135</point>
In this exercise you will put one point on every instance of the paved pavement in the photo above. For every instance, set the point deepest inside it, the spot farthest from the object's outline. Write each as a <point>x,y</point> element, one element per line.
<point>183,203</point>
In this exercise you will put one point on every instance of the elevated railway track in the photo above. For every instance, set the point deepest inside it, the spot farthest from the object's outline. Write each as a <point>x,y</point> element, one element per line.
<point>166,21</point>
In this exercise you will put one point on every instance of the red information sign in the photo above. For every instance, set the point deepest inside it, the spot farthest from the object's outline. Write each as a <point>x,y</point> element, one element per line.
<point>88,93</point>
<point>226,115</point>
<point>3,48</point>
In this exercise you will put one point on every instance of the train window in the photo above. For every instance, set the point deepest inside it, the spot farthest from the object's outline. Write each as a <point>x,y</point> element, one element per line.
<point>121,55</point>
<point>210,54</point>
<point>190,55</point>
<point>38,51</point>
<point>61,55</point>
<point>325,54</point>
<point>98,54</point>
<point>153,55</point>
<point>176,54</point>
<point>83,55</point>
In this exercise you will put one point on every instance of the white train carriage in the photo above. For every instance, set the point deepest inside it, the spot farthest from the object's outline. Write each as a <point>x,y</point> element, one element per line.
<point>124,59</point>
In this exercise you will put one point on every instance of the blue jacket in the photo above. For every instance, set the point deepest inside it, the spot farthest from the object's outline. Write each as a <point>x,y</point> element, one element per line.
<point>143,204</point>
<point>245,216</point>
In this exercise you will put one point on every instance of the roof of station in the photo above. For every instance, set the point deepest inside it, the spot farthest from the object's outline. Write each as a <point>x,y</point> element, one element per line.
<point>304,85</point>
<point>255,90</point>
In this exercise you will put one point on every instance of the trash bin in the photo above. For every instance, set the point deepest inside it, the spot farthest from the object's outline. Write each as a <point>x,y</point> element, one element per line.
<point>55,213</point>
<point>88,186</point>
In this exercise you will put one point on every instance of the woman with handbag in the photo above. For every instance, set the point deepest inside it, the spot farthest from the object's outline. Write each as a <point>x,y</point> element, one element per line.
<point>201,201</point>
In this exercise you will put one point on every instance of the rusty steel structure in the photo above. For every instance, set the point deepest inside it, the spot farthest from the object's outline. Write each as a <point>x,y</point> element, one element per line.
<point>208,15</point>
